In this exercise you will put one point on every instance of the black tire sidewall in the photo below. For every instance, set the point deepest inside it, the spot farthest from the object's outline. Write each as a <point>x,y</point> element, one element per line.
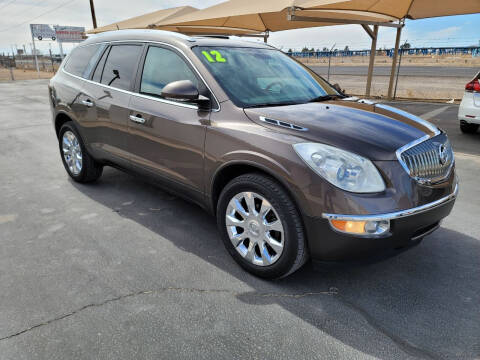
<point>290,225</point>
<point>469,128</point>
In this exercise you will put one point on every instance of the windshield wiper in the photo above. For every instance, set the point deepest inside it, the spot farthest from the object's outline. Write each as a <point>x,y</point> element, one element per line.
<point>321,98</point>
<point>272,104</point>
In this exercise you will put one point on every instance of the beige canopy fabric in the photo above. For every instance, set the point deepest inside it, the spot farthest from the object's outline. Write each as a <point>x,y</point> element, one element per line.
<point>146,20</point>
<point>237,16</point>
<point>410,9</point>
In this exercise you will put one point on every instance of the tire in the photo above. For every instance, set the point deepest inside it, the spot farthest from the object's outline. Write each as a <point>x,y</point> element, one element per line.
<point>266,191</point>
<point>90,170</point>
<point>467,128</point>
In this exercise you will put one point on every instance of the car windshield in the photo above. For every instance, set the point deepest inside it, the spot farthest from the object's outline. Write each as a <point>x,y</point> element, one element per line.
<point>254,77</point>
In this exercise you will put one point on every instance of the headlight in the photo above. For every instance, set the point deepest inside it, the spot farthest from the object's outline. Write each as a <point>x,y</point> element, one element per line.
<point>341,168</point>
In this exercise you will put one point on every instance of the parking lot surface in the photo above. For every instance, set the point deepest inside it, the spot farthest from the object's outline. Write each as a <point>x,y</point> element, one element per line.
<point>120,269</point>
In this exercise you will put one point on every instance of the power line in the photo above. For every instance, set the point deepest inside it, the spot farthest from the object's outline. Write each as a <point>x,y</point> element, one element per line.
<point>8,3</point>
<point>36,17</point>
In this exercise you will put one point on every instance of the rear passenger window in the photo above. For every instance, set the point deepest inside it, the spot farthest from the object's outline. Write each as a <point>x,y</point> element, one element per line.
<point>119,70</point>
<point>82,59</point>
<point>161,67</point>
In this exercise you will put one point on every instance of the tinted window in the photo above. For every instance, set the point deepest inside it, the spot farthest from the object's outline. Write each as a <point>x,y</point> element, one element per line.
<point>82,59</point>
<point>161,67</point>
<point>253,77</point>
<point>119,70</point>
<point>97,74</point>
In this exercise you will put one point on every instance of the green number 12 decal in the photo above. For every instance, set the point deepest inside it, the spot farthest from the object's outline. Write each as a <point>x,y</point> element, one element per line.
<point>218,56</point>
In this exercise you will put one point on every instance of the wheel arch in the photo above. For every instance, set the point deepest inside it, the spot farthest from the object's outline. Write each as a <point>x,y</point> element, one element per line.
<point>233,169</point>
<point>61,119</point>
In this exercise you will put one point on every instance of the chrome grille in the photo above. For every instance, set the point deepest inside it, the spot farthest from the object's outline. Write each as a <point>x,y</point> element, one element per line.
<point>429,161</point>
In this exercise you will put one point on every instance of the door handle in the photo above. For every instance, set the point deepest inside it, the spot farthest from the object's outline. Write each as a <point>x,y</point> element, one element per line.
<point>138,119</point>
<point>87,102</point>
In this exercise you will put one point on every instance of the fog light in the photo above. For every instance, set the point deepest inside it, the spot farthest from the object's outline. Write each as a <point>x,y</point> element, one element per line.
<point>361,227</point>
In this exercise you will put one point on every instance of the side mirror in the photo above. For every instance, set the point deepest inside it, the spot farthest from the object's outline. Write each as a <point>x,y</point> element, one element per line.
<point>185,91</point>
<point>338,88</point>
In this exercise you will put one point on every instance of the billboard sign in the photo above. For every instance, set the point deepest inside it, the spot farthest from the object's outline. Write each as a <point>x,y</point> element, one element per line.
<point>69,33</point>
<point>43,31</point>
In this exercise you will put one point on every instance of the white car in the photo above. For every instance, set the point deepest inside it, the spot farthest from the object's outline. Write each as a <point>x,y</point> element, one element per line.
<point>469,112</point>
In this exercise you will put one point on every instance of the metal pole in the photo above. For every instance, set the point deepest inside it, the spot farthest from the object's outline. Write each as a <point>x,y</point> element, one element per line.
<point>94,18</point>
<point>329,60</point>
<point>35,53</point>
<point>51,57</point>
<point>61,49</point>
<point>394,63</point>
<point>398,71</point>
<point>265,36</point>
<point>373,51</point>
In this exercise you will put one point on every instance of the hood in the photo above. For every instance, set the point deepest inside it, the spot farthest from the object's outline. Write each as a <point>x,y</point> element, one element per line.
<point>375,131</point>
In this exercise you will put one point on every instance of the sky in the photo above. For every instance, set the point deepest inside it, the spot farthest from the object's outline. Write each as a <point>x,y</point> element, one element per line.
<point>16,15</point>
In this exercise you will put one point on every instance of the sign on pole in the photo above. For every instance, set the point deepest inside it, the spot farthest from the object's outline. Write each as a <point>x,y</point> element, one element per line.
<point>43,31</point>
<point>69,33</point>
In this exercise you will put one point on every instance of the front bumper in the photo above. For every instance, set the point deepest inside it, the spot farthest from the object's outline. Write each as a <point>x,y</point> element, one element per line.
<point>407,228</point>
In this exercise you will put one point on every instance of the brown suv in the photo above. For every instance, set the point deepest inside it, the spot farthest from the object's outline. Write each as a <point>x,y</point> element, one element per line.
<point>292,168</point>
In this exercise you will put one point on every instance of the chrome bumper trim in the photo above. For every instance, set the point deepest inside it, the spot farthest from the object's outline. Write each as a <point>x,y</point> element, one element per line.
<point>394,215</point>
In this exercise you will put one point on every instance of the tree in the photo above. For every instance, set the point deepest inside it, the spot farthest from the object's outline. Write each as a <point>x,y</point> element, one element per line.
<point>305,50</point>
<point>406,46</point>
<point>290,51</point>
<point>325,49</point>
<point>346,48</point>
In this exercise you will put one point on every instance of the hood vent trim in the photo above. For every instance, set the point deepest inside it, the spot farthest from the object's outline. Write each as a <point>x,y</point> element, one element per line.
<point>282,124</point>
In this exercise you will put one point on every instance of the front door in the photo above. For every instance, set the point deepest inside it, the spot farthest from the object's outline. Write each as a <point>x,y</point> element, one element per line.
<point>167,137</point>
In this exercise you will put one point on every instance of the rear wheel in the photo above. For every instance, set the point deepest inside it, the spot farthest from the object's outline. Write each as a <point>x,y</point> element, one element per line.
<point>79,164</point>
<point>468,128</point>
<point>261,226</point>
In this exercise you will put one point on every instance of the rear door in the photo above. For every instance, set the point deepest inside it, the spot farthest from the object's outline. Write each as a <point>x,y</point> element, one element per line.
<point>167,137</point>
<point>109,93</point>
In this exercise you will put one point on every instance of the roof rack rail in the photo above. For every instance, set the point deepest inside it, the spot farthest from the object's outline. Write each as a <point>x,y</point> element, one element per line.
<point>214,36</point>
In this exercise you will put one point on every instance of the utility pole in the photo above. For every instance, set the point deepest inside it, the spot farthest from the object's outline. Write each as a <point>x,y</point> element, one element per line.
<point>94,19</point>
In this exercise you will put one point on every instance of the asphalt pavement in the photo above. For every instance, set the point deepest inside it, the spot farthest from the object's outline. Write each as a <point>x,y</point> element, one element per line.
<point>120,269</point>
<point>410,70</point>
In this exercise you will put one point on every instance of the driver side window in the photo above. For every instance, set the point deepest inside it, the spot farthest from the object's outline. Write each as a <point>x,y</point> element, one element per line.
<point>163,66</point>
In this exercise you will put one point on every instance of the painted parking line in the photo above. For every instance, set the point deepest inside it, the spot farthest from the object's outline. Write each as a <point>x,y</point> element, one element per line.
<point>433,113</point>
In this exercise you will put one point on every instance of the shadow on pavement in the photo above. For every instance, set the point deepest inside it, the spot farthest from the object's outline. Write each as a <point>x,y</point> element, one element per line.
<point>425,300</point>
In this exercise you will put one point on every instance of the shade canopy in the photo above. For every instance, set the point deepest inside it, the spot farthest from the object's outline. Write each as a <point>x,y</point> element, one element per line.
<point>237,16</point>
<point>146,21</point>
<point>410,9</point>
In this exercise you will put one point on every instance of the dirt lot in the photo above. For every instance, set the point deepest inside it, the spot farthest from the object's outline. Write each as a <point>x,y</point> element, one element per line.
<point>418,87</point>
<point>19,74</point>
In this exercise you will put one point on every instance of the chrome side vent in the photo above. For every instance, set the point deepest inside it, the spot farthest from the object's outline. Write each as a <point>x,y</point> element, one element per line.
<point>282,124</point>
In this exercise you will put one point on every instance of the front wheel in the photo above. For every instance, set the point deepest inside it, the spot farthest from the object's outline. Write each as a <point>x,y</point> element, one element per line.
<point>79,164</point>
<point>261,226</point>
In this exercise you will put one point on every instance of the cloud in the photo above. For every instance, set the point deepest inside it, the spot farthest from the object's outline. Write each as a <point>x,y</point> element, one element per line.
<point>77,13</point>
<point>443,33</point>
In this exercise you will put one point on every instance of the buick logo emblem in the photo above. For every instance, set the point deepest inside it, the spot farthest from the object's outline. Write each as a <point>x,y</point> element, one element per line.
<point>442,154</point>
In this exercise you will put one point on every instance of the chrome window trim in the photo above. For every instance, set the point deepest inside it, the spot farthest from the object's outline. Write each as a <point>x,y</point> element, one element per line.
<point>397,214</point>
<point>147,96</point>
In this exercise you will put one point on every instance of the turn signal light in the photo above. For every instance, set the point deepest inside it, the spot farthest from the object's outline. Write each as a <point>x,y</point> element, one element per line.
<point>361,227</point>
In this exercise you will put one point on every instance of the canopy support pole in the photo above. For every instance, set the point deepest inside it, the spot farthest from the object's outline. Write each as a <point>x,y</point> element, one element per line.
<point>394,63</point>
<point>374,35</point>
<point>265,36</point>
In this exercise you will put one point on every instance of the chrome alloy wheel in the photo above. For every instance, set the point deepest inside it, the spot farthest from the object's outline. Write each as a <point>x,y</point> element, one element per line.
<point>72,152</point>
<point>254,228</point>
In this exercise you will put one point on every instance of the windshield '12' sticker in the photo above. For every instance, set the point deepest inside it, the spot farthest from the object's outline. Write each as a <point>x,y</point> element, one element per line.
<point>218,56</point>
